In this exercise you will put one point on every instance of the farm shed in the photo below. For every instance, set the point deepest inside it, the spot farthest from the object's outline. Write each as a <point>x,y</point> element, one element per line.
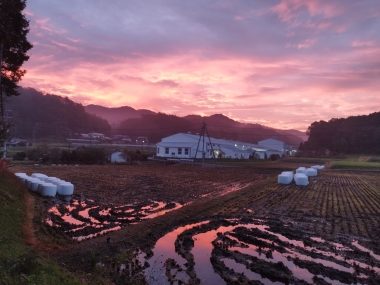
<point>184,146</point>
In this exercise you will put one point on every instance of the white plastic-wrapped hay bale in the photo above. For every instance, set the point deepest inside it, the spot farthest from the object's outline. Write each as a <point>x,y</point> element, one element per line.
<point>21,176</point>
<point>34,184</point>
<point>311,172</point>
<point>286,177</point>
<point>53,180</point>
<point>301,179</point>
<point>24,179</point>
<point>39,175</point>
<point>47,189</point>
<point>29,183</point>
<point>301,170</point>
<point>65,188</point>
<point>28,180</point>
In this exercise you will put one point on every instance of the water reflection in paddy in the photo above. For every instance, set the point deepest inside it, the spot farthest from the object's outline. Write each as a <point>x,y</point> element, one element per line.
<point>85,219</point>
<point>234,248</point>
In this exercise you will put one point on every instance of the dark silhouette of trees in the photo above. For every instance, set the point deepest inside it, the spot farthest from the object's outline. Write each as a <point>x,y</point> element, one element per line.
<point>14,46</point>
<point>356,134</point>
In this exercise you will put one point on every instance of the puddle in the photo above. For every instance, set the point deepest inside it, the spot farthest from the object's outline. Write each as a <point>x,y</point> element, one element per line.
<point>224,253</point>
<point>83,220</point>
<point>164,250</point>
<point>240,268</point>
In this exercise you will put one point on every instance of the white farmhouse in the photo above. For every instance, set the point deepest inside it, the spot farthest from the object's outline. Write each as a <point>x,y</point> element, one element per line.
<point>184,146</point>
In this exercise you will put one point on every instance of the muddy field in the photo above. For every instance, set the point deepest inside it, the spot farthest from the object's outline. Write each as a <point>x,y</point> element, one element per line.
<point>110,184</point>
<point>182,224</point>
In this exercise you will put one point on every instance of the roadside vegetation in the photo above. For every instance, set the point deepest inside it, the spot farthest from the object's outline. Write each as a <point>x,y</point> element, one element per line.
<point>358,162</point>
<point>19,263</point>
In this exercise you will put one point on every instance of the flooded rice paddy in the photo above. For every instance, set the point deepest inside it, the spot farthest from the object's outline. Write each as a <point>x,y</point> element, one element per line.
<point>257,252</point>
<point>81,220</point>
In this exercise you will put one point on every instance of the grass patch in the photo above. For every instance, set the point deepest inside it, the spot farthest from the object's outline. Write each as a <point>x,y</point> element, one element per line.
<point>19,263</point>
<point>354,164</point>
<point>309,160</point>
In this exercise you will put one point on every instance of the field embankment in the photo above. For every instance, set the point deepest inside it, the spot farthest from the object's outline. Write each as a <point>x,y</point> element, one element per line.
<point>19,262</point>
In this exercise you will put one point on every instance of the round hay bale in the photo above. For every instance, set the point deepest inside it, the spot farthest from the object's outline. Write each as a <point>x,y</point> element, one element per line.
<point>47,189</point>
<point>65,189</point>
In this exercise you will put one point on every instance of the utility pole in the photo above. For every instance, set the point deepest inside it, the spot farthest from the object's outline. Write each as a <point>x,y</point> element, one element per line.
<point>202,135</point>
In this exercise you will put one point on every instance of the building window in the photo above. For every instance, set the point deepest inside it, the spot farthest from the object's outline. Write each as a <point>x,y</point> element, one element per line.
<point>179,150</point>
<point>186,151</point>
<point>166,150</point>
<point>158,150</point>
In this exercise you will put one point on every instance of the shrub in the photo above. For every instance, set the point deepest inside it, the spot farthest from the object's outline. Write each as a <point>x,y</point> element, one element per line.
<point>19,156</point>
<point>274,157</point>
<point>136,156</point>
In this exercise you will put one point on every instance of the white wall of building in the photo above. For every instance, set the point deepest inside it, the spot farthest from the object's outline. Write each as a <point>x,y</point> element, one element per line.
<point>183,145</point>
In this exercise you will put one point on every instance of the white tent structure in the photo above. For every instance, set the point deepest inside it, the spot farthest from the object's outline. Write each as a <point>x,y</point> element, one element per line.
<point>118,157</point>
<point>184,146</point>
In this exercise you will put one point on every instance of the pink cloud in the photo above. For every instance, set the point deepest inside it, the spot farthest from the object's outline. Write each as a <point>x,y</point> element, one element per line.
<point>283,66</point>
<point>287,10</point>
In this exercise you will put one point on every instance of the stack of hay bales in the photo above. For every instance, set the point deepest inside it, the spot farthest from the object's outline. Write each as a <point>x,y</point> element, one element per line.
<point>301,178</point>
<point>46,186</point>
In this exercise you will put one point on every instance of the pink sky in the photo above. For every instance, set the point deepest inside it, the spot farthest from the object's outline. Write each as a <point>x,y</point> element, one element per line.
<point>282,63</point>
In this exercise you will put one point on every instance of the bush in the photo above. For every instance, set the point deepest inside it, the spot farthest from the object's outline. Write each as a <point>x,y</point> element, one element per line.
<point>136,155</point>
<point>274,157</point>
<point>19,156</point>
<point>37,153</point>
<point>84,155</point>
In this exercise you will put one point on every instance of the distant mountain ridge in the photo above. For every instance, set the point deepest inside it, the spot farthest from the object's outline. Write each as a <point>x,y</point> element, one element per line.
<point>116,115</point>
<point>126,119</point>
<point>218,126</point>
<point>38,115</point>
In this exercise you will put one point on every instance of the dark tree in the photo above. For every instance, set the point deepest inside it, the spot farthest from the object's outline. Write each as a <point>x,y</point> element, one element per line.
<point>14,46</point>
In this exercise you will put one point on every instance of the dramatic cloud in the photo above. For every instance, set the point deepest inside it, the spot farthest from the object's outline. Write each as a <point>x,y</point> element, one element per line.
<point>282,63</point>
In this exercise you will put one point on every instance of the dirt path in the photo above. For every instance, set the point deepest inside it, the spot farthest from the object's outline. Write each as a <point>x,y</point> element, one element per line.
<point>28,229</point>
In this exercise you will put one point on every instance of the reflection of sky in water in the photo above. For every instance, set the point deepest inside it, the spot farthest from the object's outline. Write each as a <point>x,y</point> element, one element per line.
<point>80,216</point>
<point>202,251</point>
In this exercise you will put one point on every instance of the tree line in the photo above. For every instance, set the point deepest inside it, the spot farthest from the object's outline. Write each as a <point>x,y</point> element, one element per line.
<point>352,135</point>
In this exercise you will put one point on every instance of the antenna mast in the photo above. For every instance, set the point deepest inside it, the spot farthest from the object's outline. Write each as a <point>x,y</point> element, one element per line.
<point>202,135</point>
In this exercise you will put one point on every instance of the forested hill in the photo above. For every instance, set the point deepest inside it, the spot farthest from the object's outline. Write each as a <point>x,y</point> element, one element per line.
<point>35,115</point>
<point>357,134</point>
<point>159,125</point>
